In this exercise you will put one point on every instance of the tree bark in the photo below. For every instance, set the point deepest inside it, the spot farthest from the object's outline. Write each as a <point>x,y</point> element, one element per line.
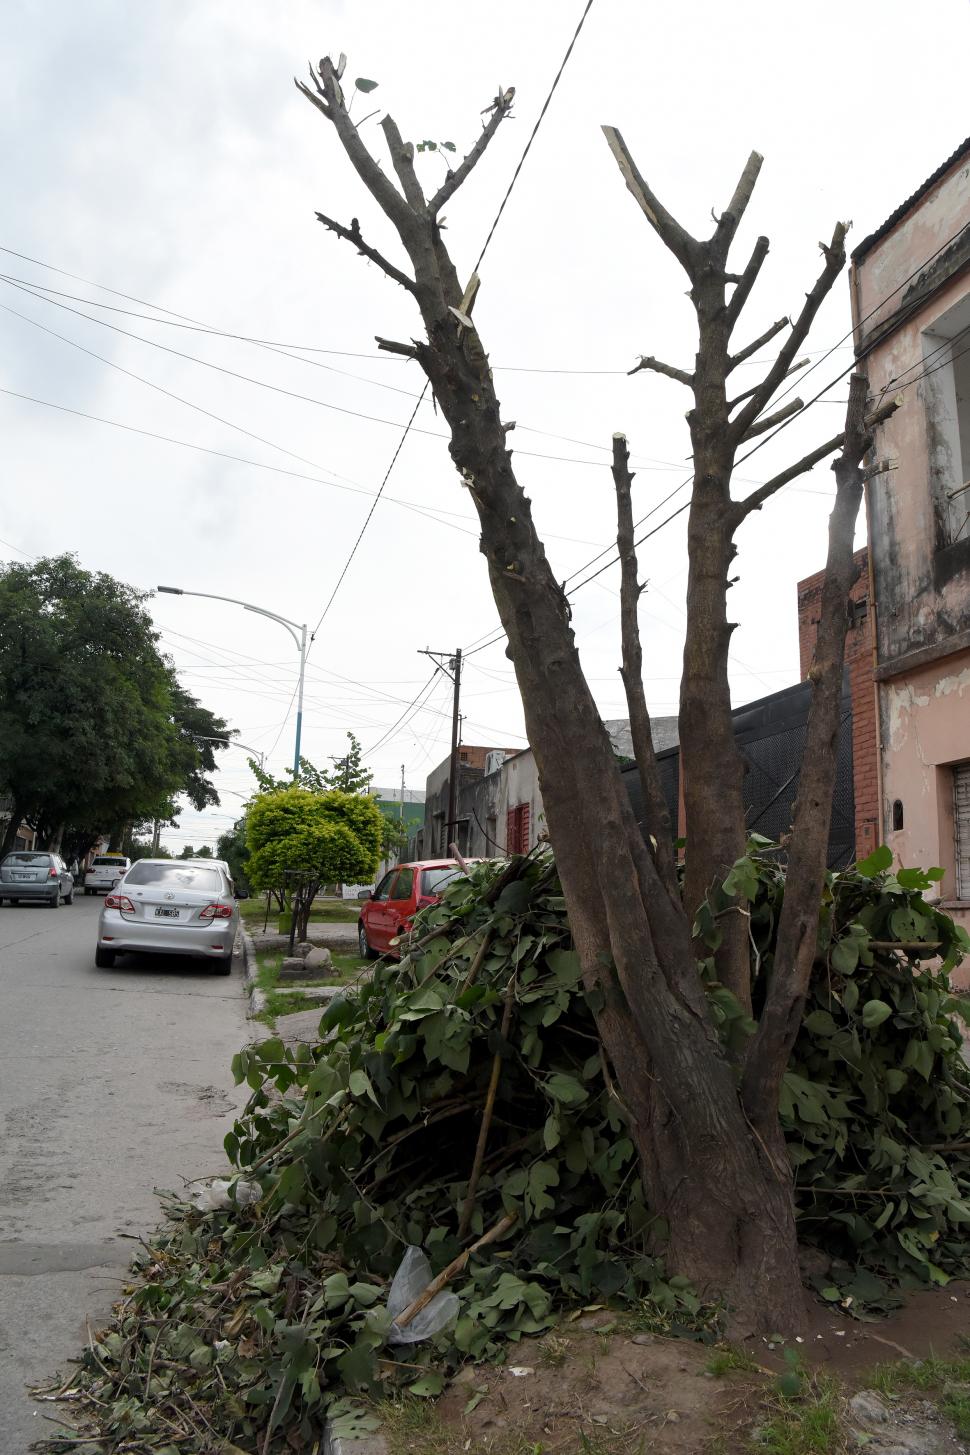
<point>10,832</point>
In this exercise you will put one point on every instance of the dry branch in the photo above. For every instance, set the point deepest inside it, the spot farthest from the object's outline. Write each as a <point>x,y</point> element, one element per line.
<point>351,234</point>
<point>760,426</point>
<point>658,367</point>
<point>758,343</point>
<point>684,248</point>
<point>454,1267</point>
<point>501,107</point>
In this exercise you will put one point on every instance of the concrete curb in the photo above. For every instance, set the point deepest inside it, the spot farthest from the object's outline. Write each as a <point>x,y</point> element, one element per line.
<point>369,1445</point>
<point>258,999</point>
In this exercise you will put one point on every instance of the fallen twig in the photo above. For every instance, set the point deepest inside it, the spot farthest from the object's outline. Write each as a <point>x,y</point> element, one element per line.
<point>455,1266</point>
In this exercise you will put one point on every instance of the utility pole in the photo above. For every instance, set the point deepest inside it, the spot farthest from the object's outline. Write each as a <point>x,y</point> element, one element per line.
<point>402,792</point>
<point>453,670</point>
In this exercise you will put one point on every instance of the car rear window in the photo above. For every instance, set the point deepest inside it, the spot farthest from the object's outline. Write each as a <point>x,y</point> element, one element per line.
<point>111,860</point>
<point>434,880</point>
<point>27,857</point>
<point>178,876</point>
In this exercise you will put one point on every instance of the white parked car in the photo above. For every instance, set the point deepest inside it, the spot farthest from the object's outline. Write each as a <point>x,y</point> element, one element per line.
<point>170,907</point>
<point>104,873</point>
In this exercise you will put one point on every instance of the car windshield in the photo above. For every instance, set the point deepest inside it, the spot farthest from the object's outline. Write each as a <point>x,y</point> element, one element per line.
<point>177,876</point>
<point>111,860</point>
<point>27,857</point>
<point>434,880</point>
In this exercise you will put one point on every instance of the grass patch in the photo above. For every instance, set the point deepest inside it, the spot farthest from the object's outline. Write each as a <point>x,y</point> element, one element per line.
<point>808,1425</point>
<point>727,1358</point>
<point>288,998</point>
<point>947,1379</point>
<point>412,1427</point>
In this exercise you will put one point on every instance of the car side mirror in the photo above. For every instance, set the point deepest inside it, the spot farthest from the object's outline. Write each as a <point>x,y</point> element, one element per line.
<point>365,895</point>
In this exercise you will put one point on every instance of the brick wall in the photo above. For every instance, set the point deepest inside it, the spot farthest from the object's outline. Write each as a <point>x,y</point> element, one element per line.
<point>858,660</point>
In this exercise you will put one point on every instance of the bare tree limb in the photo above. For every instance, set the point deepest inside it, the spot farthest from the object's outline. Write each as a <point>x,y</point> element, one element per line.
<point>748,392</point>
<point>351,234</point>
<point>771,1045</point>
<point>794,406</point>
<point>730,219</point>
<point>764,492</point>
<point>752,348</point>
<point>402,160</point>
<point>501,107</point>
<point>834,254</point>
<point>657,818</point>
<point>747,281</point>
<point>685,248</point>
<point>658,367</point>
<point>380,186</point>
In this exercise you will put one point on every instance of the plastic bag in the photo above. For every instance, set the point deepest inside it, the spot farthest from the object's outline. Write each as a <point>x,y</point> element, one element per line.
<point>214,1197</point>
<point>410,1280</point>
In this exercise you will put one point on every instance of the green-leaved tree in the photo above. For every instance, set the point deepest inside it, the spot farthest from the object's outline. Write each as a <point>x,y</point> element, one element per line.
<point>299,841</point>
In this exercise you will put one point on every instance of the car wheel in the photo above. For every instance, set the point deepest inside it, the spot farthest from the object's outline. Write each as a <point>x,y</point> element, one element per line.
<point>69,898</point>
<point>223,966</point>
<point>104,959</point>
<point>56,901</point>
<point>366,953</point>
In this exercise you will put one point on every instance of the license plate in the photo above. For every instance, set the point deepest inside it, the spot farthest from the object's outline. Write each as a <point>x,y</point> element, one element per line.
<point>166,914</point>
<point>23,876</point>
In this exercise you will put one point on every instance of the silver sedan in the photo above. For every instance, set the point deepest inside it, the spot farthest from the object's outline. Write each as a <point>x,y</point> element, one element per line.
<point>169,907</point>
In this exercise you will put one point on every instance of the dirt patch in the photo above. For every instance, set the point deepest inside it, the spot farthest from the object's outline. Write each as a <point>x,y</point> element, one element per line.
<point>580,1392</point>
<point>615,1392</point>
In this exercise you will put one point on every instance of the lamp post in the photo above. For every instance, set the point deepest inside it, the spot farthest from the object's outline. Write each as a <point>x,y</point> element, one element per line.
<point>291,626</point>
<point>232,743</point>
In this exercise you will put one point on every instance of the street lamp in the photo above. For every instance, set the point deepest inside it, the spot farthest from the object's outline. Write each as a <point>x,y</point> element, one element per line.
<point>291,626</point>
<point>231,743</point>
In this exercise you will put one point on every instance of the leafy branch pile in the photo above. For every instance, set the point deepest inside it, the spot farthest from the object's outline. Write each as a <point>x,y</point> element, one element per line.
<point>248,1322</point>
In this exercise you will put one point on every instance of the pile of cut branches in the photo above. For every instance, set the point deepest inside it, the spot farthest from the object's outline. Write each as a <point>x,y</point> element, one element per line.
<point>464,1091</point>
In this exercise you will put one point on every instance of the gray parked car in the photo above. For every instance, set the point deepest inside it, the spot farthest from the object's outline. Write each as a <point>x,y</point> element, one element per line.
<point>35,874</point>
<point>171,907</point>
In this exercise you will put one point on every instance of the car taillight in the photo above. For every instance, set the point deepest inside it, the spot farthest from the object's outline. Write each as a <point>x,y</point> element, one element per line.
<point>216,911</point>
<point>119,901</point>
<point>52,873</point>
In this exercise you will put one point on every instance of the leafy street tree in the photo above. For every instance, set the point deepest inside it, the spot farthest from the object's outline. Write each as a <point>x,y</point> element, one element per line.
<point>704,1117</point>
<point>348,775</point>
<point>299,841</point>
<point>231,846</point>
<point>95,730</point>
<point>189,853</point>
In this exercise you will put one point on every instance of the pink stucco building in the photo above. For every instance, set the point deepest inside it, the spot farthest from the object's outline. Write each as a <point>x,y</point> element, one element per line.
<point>911,313</point>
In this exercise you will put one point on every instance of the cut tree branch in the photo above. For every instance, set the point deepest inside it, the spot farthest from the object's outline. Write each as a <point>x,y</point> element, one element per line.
<point>402,160</point>
<point>390,346</point>
<point>834,254</point>
<point>656,815</point>
<point>748,279</point>
<point>753,348</point>
<point>685,248</point>
<point>730,219</point>
<point>764,492</point>
<point>657,366</point>
<point>748,392</point>
<point>351,234</point>
<point>760,426</point>
<point>501,107</point>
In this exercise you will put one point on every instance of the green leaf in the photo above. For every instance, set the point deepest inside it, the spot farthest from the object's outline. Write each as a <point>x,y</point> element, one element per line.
<point>429,1386</point>
<point>364,85</point>
<point>742,879</point>
<point>566,1089</point>
<point>360,1085</point>
<point>878,862</point>
<point>874,1012</point>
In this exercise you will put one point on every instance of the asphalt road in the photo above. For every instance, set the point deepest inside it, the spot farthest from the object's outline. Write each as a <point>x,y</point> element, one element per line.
<point>112,1083</point>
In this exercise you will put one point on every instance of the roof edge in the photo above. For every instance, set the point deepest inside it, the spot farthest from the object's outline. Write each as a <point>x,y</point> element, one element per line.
<point>868,243</point>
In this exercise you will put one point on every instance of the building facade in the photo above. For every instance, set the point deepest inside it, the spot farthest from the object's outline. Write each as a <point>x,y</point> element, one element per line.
<point>910,285</point>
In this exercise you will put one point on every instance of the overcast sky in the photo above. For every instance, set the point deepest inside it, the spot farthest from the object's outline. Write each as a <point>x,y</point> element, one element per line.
<point>163,152</point>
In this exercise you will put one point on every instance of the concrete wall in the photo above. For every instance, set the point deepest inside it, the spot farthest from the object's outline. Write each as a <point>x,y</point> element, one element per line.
<point>915,283</point>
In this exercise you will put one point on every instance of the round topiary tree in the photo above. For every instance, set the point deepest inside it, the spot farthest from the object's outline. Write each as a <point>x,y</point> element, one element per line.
<point>298,841</point>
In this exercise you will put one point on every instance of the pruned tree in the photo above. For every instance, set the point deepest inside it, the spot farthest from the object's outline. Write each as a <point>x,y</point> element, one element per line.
<point>706,1127</point>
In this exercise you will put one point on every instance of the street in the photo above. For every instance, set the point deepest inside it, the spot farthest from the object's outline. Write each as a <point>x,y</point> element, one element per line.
<point>112,1082</point>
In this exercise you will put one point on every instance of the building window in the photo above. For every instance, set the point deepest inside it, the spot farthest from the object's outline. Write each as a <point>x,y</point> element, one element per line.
<point>961,828</point>
<point>897,815</point>
<point>517,829</point>
<point>946,396</point>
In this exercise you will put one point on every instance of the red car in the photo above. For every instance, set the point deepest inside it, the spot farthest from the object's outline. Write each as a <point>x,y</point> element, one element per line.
<point>390,909</point>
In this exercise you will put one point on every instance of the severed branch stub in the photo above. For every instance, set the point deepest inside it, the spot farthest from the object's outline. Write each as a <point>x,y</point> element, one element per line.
<point>657,366</point>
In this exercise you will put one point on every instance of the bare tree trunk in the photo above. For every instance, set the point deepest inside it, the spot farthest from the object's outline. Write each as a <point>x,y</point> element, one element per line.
<point>716,1180</point>
<point>10,832</point>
